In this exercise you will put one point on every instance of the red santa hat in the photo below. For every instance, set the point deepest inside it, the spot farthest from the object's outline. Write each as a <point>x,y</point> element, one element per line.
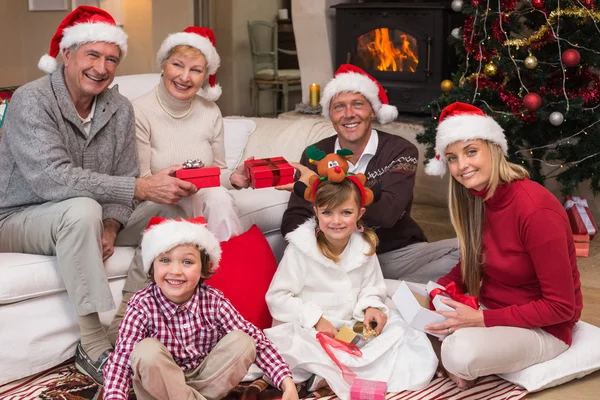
<point>350,78</point>
<point>162,235</point>
<point>84,24</point>
<point>202,39</point>
<point>461,122</point>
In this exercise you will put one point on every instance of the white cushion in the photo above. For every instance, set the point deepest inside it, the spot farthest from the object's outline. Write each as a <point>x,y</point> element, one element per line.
<point>133,86</point>
<point>581,359</point>
<point>26,276</point>
<point>261,207</point>
<point>236,138</point>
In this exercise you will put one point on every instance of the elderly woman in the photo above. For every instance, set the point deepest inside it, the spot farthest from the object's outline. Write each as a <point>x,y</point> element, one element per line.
<point>179,120</point>
<point>516,254</point>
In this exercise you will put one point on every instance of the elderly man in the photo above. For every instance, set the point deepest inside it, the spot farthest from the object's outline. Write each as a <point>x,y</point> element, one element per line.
<point>68,172</point>
<point>351,100</point>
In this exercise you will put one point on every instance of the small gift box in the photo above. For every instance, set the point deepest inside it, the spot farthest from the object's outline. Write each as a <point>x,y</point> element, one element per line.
<point>268,172</point>
<point>195,172</point>
<point>363,389</point>
<point>580,216</point>
<point>582,245</point>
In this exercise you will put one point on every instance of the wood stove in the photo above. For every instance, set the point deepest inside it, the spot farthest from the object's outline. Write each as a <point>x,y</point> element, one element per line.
<point>402,44</point>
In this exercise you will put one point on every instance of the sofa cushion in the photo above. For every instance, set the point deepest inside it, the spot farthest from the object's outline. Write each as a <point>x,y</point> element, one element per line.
<point>236,137</point>
<point>244,275</point>
<point>133,86</point>
<point>26,276</point>
<point>261,207</point>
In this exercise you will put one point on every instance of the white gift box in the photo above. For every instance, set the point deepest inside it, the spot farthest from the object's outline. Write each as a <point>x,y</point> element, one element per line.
<point>413,313</point>
<point>437,303</point>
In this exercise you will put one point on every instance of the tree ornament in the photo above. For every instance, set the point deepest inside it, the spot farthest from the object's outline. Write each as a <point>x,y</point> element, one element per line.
<point>456,33</point>
<point>457,5</point>
<point>589,4</point>
<point>571,57</point>
<point>446,85</point>
<point>532,101</point>
<point>538,4</point>
<point>490,69</point>
<point>556,118</point>
<point>531,62</point>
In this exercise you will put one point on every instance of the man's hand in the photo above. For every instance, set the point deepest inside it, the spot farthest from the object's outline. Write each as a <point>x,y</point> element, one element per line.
<point>305,174</point>
<point>111,228</point>
<point>163,187</point>
<point>375,314</point>
<point>238,177</point>
<point>326,327</point>
<point>289,389</point>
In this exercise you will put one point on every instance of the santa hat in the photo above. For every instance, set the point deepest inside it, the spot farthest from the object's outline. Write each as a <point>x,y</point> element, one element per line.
<point>162,235</point>
<point>461,122</point>
<point>202,39</point>
<point>350,78</point>
<point>84,24</point>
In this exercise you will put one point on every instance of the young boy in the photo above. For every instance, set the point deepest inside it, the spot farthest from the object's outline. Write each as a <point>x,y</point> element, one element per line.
<point>182,339</point>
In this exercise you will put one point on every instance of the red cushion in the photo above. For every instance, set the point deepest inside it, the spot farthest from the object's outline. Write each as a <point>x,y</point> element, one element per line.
<point>244,275</point>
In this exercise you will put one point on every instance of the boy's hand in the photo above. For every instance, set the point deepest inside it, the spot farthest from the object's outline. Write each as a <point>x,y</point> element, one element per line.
<point>289,389</point>
<point>375,314</point>
<point>326,327</point>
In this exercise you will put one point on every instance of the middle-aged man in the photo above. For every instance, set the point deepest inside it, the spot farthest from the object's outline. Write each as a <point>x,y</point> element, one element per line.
<point>68,168</point>
<point>351,100</point>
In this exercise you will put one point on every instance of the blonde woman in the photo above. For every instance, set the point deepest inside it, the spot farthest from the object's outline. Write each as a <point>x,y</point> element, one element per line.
<point>516,254</point>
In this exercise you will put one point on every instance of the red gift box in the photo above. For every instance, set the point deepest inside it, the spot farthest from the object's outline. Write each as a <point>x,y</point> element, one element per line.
<point>268,172</point>
<point>582,245</point>
<point>204,177</point>
<point>580,216</point>
<point>363,389</point>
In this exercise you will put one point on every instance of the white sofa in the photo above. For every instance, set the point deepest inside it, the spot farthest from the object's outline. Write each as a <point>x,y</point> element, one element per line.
<point>38,326</point>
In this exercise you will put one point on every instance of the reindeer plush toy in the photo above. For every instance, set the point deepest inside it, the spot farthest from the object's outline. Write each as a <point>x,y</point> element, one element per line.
<point>333,167</point>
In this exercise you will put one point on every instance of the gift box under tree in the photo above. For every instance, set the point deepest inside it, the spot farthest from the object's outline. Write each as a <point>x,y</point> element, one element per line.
<point>268,172</point>
<point>580,217</point>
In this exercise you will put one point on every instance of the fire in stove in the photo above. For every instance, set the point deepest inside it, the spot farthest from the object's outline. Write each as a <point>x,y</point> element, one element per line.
<point>382,51</point>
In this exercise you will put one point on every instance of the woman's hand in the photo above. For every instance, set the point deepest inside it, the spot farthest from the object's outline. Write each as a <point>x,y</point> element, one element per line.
<point>305,174</point>
<point>463,316</point>
<point>326,327</point>
<point>375,314</point>
<point>289,389</point>
<point>238,177</point>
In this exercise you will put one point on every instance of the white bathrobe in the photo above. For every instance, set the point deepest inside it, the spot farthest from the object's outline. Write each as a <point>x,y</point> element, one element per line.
<point>308,286</point>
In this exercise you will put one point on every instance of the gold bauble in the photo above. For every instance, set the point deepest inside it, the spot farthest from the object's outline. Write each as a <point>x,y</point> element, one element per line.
<point>446,85</point>
<point>490,69</point>
<point>531,62</point>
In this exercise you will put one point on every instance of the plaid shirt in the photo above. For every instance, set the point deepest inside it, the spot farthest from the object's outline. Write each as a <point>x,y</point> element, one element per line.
<point>189,331</point>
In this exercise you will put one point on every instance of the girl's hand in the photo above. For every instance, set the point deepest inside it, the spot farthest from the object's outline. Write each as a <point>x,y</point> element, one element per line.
<point>326,327</point>
<point>238,177</point>
<point>305,174</point>
<point>463,316</point>
<point>375,314</point>
<point>289,389</point>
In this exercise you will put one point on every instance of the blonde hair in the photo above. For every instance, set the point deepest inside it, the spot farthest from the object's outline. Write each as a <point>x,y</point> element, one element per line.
<point>331,195</point>
<point>185,50</point>
<point>467,213</point>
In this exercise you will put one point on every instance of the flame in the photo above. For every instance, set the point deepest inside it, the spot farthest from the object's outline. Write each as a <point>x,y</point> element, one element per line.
<point>385,53</point>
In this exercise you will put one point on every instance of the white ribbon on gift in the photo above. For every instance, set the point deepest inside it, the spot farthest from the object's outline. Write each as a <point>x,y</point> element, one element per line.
<point>581,205</point>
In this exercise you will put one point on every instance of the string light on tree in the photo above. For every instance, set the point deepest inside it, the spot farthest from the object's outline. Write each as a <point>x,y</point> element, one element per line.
<point>457,5</point>
<point>490,69</point>
<point>556,118</point>
<point>571,57</point>
<point>532,101</point>
<point>530,62</point>
<point>446,85</point>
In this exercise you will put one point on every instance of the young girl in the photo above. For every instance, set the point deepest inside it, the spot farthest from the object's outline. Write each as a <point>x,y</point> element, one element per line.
<point>330,277</point>
<point>516,253</point>
<point>181,339</point>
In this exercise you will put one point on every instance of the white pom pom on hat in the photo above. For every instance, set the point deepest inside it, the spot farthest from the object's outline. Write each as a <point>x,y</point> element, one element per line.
<point>84,24</point>
<point>460,122</point>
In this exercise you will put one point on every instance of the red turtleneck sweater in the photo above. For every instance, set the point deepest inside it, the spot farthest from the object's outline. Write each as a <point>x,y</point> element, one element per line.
<point>530,276</point>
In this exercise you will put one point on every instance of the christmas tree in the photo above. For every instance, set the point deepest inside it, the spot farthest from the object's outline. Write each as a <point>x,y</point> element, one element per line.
<point>532,65</point>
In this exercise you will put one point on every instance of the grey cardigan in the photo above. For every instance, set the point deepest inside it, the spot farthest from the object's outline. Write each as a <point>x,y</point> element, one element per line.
<point>45,155</point>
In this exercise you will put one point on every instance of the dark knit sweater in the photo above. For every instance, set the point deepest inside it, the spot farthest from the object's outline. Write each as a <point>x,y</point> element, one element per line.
<point>530,276</point>
<point>393,168</point>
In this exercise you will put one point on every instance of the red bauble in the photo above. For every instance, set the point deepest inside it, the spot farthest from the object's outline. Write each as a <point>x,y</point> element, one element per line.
<point>539,4</point>
<point>571,57</point>
<point>532,101</point>
<point>589,4</point>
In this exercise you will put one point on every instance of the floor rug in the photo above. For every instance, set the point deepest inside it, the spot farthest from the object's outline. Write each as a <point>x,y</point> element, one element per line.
<point>66,383</point>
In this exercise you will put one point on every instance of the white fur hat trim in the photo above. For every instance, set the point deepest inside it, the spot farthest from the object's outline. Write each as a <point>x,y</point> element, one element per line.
<point>194,40</point>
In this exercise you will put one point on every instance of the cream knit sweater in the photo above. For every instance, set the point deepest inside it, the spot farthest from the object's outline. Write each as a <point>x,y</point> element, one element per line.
<point>163,141</point>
